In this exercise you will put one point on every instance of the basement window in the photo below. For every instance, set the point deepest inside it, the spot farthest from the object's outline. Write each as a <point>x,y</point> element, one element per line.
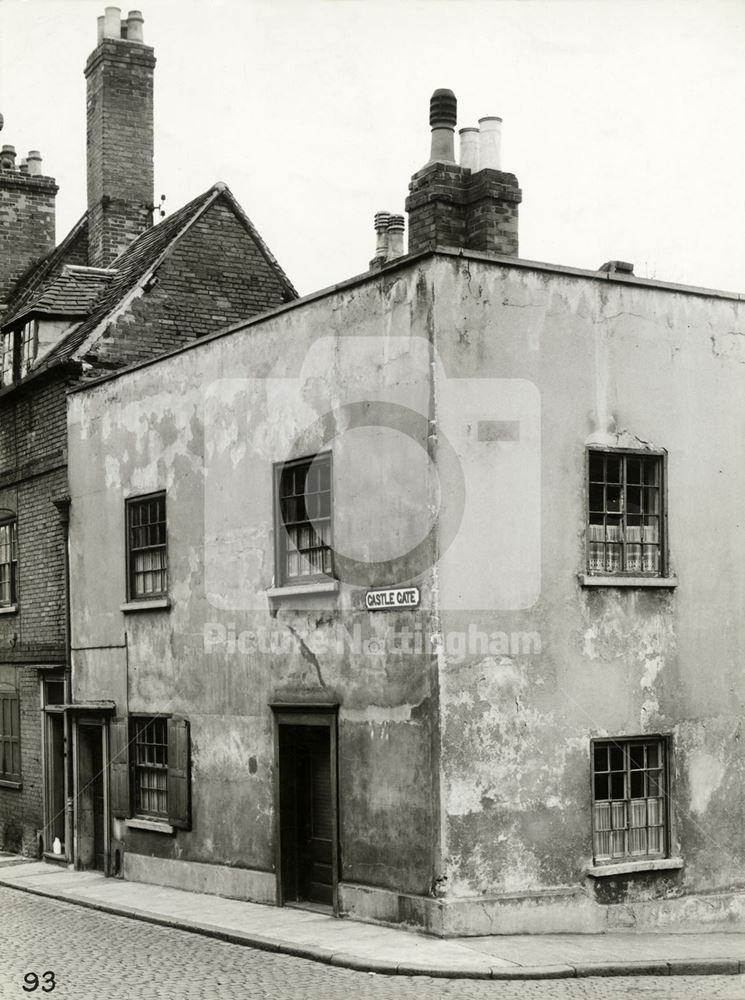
<point>303,520</point>
<point>625,514</point>
<point>8,561</point>
<point>147,563</point>
<point>629,791</point>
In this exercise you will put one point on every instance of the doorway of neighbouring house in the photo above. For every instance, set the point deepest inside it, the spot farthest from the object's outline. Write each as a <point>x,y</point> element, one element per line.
<point>90,806</point>
<point>308,810</point>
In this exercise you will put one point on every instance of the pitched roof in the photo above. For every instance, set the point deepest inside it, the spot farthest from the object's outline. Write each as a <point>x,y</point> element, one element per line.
<point>55,286</point>
<point>72,292</point>
<point>72,250</point>
<point>142,256</point>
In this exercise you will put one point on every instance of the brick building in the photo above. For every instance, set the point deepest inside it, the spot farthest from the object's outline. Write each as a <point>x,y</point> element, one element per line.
<point>116,290</point>
<point>457,641</point>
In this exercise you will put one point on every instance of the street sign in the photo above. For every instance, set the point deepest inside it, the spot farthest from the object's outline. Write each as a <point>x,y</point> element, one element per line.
<point>391,598</point>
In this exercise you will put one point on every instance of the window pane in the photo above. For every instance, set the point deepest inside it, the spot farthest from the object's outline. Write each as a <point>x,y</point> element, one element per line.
<point>636,782</point>
<point>652,471</point>
<point>600,758</point>
<point>651,500</point>
<point>655,783</point>
<point>597,467</point>
<point>596,498</point>
<point>616,758</point>
<point>618,786</point>
<point>601,786</point>
<point>613,468</point>
<point>633,470</point>
<point>613,499</point>
<point>633,500</point>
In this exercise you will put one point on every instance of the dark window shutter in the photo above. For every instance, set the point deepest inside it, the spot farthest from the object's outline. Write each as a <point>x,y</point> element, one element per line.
<point>119,767</point>
<point>179,799</point>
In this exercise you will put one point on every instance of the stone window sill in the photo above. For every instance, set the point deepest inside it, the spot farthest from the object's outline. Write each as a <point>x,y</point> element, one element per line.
<point>298,590</point>
<point>629,867</point>
<point>15,785</point>
<point>153,825</point>
<point>156,604</point>
<point>668,582</point>
<point>9,609</point>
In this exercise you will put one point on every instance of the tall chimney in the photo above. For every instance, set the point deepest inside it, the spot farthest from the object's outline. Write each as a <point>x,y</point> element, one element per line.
<point>471,205</point>
<point>119,75</point>
<point>26,217</point>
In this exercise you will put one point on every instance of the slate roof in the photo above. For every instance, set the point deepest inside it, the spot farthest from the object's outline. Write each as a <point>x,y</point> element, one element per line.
<point>61,284</point>
<point>71,292</point>
<point>72,250</point>
<point>144,254</point>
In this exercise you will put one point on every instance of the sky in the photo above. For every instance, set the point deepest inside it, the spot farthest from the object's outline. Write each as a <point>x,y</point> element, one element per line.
<point>623,119</point>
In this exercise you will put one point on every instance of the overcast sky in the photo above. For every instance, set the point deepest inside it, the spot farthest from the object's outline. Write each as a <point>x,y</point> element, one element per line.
<point>623,119</point>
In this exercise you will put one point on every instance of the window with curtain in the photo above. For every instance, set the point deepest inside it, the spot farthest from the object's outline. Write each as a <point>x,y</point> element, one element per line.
<point>629,815</point>
<point>150,765</point>
<point>147,563</point>
<point>303,520</point>
<point>625,515</point>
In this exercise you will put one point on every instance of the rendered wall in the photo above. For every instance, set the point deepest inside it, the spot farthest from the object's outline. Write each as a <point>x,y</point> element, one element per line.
<point>207,426</point>
<point>616,364</point>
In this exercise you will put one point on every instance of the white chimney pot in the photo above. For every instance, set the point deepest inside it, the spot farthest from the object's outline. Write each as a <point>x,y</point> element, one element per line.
<point>469,148</point>
<point>34,162</point>
<point>490,143</point>
<point>112,23</point>
<point>135,21</point>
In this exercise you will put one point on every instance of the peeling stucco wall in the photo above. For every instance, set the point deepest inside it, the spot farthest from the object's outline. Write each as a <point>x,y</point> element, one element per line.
<point>207,426</point>
<point>464,761</point>
<point>629,366</point>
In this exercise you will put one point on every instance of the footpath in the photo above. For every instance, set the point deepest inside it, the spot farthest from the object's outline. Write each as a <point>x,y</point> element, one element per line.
<point>369,948</point>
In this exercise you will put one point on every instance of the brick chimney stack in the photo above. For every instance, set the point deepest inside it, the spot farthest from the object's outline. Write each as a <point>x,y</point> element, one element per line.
<point>472,205</point>
<point>26,216</point>
<point>119,75</point>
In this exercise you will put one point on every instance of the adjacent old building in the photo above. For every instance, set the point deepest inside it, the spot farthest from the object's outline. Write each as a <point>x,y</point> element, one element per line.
<point>422,594</point>
<point>116,290</point>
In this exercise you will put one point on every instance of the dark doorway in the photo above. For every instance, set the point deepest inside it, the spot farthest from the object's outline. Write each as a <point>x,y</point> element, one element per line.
<point>307,806</point>
<point>55,763</point>
<point>90,799</point>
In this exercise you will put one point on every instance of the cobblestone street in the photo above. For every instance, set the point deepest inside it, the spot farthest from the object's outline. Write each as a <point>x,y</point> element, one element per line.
<point>96,955</point>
